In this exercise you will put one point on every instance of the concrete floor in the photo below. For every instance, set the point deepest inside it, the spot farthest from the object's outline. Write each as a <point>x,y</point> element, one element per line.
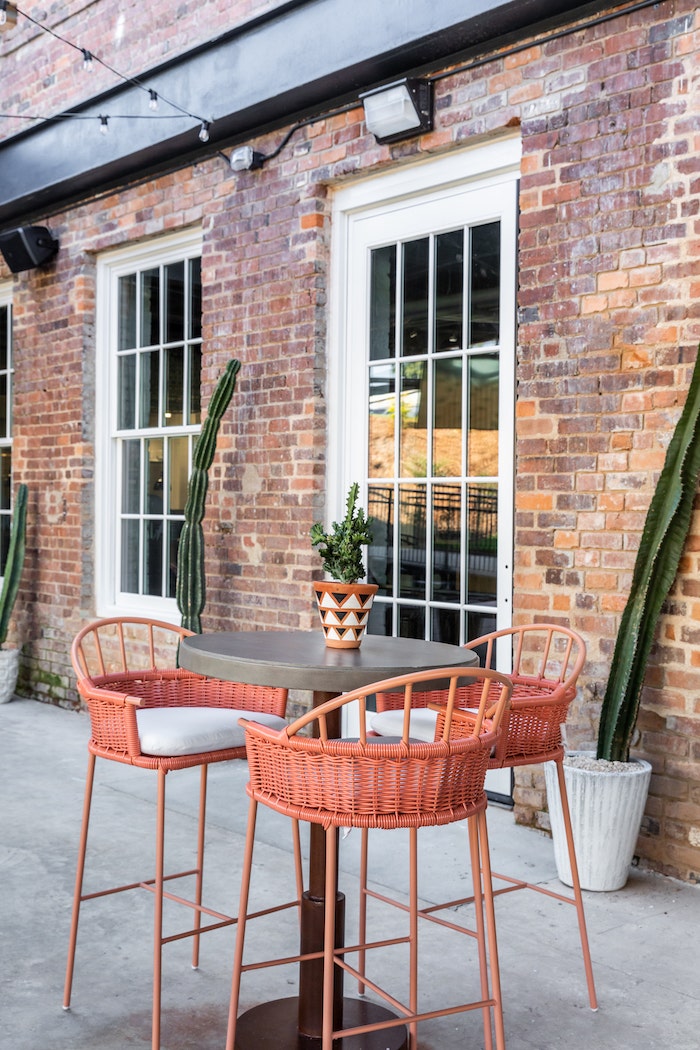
<point>644,939</point>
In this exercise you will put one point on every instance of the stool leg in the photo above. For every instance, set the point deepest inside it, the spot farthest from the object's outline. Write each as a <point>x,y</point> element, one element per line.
<point>478,898</point>
<point>298,866</point>
<point>585,949</point>
<point>485,865</point>
<point>158,912</point>
<point>240,929</point>
<point>362,934</point>
<point>329,938</point>
<point>77,896</point>
<point>200,863</point>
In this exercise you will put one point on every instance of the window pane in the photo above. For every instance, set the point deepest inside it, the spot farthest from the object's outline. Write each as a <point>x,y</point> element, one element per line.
<point>382,414</point>
<point>449,290</point>
<point>5,525</point>
<point>195,384</point>
<point>482,438</point>
<point>174,389</point>
<point>479,624</point>
<point>482,526</point>
<point>380,620</point>
<point>447,422</point>
<point>174,302</point>
<point>4,415</point>
<point>195,311</point>
<point>150,307</point>
<point>411,621</point>
<point>447,543</point>
<point>126,414</point>
<point>131,477</point>
<point>485,284</point>
<point>5,478</point>
<point>174,530</point>
<point>380,553</point>
<point>412,523</point>
<point>150,384</point>
<point>178,456</point>
<point>415,296</point>
<point>153,558</point>
<point>153,496</point>
<point>130,556</point>
<point>382,337</point>
<point>126,337</point>
<point>445,626</point>
<point>413,425</point>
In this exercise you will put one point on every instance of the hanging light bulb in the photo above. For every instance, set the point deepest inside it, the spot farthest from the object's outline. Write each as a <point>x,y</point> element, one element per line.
<point>104,128</point>
<point>204,132</point>
<point>87,61</point>
<point>153,101</point>
<point>8,14</point>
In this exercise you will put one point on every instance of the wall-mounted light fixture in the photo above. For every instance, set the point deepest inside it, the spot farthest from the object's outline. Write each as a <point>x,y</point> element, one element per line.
<point>399,110</point>
<point>27,247</point>
<point>245,158</point>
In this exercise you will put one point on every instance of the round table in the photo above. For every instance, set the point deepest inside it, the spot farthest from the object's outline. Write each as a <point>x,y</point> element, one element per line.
<point>302,660</point>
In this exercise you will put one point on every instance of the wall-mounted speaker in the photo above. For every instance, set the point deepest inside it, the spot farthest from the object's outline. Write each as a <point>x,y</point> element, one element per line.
<point>27,247</point>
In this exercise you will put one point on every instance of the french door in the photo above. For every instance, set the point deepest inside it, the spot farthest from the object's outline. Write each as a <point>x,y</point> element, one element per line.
<point>423,368</point>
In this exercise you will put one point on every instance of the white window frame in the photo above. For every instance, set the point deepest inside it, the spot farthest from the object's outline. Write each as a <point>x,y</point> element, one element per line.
<point>492,166</point>
<point>111,266</point>
<point>6,439</point>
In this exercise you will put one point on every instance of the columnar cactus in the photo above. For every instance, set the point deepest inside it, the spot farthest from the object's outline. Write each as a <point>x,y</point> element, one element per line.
<point>15,561</point>
<point>190,588</point>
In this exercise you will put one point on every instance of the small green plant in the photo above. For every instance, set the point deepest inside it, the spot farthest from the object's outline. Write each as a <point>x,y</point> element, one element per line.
<point>661,547</point>
<point>341,547</point>
<point>15,561</point>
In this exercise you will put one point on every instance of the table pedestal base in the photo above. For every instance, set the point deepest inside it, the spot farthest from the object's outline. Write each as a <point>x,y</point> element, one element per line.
<point>274,1026</point>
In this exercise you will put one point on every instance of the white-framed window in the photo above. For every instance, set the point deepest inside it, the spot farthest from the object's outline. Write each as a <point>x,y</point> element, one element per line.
<point>421,382</point>
<point>149,336</point>
<point>5,421</point>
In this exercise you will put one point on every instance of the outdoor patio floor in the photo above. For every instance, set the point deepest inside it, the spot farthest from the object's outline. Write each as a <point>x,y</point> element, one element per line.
<point>644,939</point>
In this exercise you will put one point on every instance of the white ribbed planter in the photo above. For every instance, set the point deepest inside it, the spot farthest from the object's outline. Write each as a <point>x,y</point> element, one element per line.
<point>9,668</point>
<point>606,812</point>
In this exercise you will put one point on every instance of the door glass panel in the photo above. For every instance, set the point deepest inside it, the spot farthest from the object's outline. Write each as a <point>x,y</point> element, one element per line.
<point>415,305</point>
<point>380,553</point>
<point>150,307</point>
<point>449,290</point>
<point>447,418</point>
<point>445,626</point>
<point>485,285</point>
<point>382,335</point>
<point>412,529</point>
<point>447,542</point>
<point>482,537</point>
<point>482,439</point>
<point>382,415</point>
<point>411,621</point>
<point>413,431</point>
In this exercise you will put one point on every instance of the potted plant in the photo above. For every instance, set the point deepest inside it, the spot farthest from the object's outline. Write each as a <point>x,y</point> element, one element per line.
<point>343,602</point>
<point>607,790</point>
<point>9,657</point>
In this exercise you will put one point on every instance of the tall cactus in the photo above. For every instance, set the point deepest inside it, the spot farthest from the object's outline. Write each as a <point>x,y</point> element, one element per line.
<point>15,561</point>
<point>660,550</point>
<point>190,588</point>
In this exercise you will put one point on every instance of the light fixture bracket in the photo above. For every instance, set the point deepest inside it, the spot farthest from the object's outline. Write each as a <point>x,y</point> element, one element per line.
<point>400,110</point>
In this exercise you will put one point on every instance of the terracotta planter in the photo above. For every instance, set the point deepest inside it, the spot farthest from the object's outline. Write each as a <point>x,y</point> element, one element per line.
<point>606,812</point>
<point>344,611</point>
<point>9,667</point>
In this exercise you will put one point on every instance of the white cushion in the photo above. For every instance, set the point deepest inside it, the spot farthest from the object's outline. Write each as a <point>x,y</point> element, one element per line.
<point>422,723</point>
<point>171,731</point>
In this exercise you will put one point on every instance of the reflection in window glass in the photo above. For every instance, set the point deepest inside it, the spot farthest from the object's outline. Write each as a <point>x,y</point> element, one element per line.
<point>150,388</point>
<point>153,557</point>
<point>412,532</point>
<point>195,364</point>
<point>131,477</point>
<point>415,304</point>
<point>381,421</point>
<point>150,307</point>
<point>380,553</point>
<point>382,333</point>
<point>482,439</point>
<point>485,284</point>
<point>131,556</point>
<point>413,431</point>
<point>153,496</point>
<point>194,319</point>
<point>447,417</point>
<point>411,621</point>
<point>445,626</point>
<point>174,530</point>
<point>178,470</point>
<point>174,302</point>
<point>126,382</point>
<point>126,334</point>
<point>447,543</point>
<point>449,290</point>
<point>482,526</point>
<point>174,392</point>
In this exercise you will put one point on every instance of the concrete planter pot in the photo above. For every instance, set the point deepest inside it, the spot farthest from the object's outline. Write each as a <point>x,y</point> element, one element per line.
<point>606,807</point>
<point>344,611</point>
<point>9,669</point>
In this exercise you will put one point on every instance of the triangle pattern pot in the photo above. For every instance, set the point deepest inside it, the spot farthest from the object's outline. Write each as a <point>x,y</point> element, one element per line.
<point>344,610</point>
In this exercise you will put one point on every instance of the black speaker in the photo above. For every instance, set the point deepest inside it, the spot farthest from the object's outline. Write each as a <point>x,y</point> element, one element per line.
<point>27,247</point>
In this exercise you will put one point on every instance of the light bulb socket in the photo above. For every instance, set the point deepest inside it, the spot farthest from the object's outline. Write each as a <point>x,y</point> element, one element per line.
<point>245,158</point>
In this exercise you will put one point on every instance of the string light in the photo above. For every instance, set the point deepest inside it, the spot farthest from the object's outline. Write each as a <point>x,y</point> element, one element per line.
<point>89,58</point>
<point>104,128</point>
<point>8,14</point>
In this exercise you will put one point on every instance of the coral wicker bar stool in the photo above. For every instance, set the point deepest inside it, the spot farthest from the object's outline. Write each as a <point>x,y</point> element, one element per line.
<point>546,661</point>
<point>147,712</point>
<point>367,782</point>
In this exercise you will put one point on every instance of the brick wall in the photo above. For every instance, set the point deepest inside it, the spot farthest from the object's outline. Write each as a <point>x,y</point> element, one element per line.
<point>608,332</point>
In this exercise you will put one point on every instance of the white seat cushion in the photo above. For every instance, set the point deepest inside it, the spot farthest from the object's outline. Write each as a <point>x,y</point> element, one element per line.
<point>172,731</point>
<point>422,724</point>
